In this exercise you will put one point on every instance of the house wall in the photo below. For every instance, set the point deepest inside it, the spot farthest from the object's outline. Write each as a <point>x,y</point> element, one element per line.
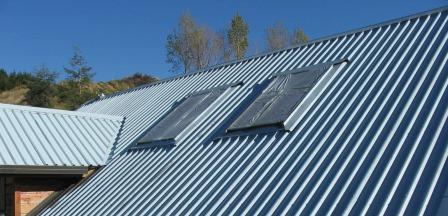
<point>20,194</point>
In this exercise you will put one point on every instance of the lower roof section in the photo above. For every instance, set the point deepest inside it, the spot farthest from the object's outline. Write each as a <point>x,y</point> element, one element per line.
<point>31,136</point>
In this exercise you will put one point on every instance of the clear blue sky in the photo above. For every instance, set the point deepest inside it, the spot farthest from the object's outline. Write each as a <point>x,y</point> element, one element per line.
<point>119,38</point>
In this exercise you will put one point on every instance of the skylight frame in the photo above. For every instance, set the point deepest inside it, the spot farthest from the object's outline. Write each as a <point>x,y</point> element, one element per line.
<point>333,68</point>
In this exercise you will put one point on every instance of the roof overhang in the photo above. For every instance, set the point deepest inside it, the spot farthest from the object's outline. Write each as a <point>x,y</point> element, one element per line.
<point>43,170</point>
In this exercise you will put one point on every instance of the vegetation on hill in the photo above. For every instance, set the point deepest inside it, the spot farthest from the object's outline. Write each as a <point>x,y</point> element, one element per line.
<point>41,89</point>
<point>34,90</point>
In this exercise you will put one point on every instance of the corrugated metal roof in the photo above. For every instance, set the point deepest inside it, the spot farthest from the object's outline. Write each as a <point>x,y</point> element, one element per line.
<point>374,141</point>
<point>39,136</point>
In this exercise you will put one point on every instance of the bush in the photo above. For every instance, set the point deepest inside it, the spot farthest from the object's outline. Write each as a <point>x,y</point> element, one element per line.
<point>41,88</point>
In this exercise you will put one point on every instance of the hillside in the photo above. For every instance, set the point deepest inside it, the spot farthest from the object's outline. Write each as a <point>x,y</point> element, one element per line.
<point>62,95</point>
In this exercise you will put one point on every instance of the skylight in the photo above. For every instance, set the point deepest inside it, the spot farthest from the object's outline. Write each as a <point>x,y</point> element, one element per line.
<point>286,93</point>
<point>185,113</point>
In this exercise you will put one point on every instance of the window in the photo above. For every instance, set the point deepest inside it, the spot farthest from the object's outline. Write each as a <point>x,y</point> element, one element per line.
<point>169,127</point>
<point>285,93</point>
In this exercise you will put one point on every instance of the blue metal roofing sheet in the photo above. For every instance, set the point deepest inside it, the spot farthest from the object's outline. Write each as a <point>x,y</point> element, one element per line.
<point>39,136</point>
<point>373,141</point>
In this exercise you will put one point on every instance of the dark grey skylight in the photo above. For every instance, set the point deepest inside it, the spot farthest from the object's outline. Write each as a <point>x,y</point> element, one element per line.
<point>168,128</point>
<point>280,98</point>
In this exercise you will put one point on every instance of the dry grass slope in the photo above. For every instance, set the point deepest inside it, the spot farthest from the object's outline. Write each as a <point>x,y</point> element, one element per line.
<point>14,96</point>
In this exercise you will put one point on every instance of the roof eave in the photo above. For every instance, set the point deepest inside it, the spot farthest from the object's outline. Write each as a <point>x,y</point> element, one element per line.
<point>43,170</point>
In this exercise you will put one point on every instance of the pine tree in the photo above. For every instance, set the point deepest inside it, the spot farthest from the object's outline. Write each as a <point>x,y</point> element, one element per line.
<point>238,36</point>
<point>79,72</point>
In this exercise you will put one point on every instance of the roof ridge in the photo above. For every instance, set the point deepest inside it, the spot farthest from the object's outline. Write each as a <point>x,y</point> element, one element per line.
<point>248,58</point>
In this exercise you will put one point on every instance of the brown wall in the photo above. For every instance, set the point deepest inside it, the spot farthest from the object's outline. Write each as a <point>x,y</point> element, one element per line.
<point>29,200</point>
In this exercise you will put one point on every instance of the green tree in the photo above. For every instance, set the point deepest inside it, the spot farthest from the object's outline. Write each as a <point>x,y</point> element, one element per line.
<point>299,37</point>
<point>237,36</point>
<point>4,80</point>
<point>191,46</point>
<point>277,37</point>
<point>14,79</point>
<point>79,72</point>
<point>41,89</point>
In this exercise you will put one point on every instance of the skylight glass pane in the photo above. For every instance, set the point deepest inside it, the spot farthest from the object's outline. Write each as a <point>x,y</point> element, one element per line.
<point>182,116</point>
<point>280,98</point>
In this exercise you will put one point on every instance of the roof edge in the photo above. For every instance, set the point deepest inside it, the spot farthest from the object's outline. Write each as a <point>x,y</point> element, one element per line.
<point>60,112</point>
<point>111,149</point>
